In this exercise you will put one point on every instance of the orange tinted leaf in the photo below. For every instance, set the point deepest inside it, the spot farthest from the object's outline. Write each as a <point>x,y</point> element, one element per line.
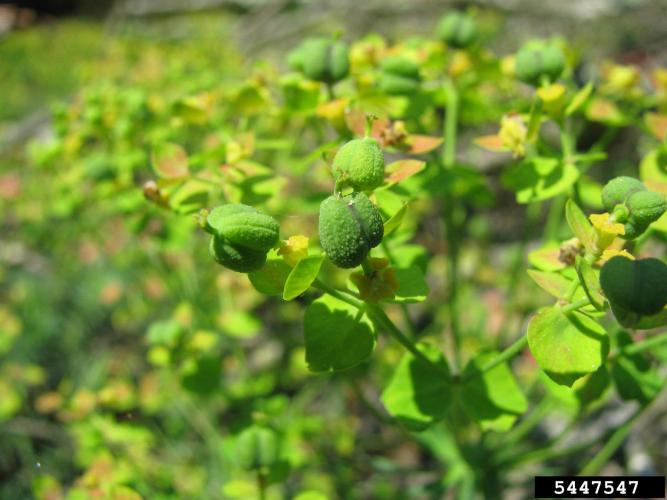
<point>491,142</point>
<point>170,160</point>
<point>402,169</point>
<point>423,143</point>
<point>657,124</point>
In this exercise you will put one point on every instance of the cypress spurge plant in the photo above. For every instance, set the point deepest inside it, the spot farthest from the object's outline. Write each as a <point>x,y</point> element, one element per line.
<point>361,285</point>
<point>349,228</point>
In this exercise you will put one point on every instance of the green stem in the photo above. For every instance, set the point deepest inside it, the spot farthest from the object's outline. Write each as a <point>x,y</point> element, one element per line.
<point>330,91</point>
<point>448,162</point>
<point>338,294</point>
<point>412,329</point>
<point>381,318</point>
<point>554,218</point>
<point>645,344</point>
<point>534,120</point>
<point>613,442</point>
<point>573,306</point>
<point>527,424</point>
<point>451,120</point>
<point>518,273</point>
<point>366,266</point>
<point>506,355</point>
<point>261,485</point>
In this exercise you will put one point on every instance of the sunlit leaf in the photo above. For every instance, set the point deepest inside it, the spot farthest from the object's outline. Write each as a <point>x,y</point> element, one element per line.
<point>553,283</point>
<point>402,169</point>
<point>579,99</point>
<point>566,346</point>
<point>419,144</point>
<point>302,276</point>
<point>170,161</point>
<point>580,225</point>
<point>395,220</point>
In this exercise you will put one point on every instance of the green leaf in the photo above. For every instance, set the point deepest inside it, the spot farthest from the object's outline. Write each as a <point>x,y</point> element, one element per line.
<point>567,346</point>
<point>633,376</point>
<point>170,161</point>
<point>418,395</point>
<point>302,276</point>
<point>540,178</point>
<point>492,399</point>
<point>580,225</point>
<point>579,99</point>
<point>190,197</point>
<point>395,220</point>
<point>337,335</point>
<point>412,286</point>
<point>654,321</point>
<point>270,279</point>
<point>546,258</point>
<point>552,283</point>
<point>590,282</point>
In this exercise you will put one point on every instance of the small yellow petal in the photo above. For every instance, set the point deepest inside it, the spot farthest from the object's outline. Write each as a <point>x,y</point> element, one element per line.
<point>294,249</point>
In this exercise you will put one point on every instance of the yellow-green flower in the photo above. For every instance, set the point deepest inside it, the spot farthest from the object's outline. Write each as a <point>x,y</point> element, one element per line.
<point>606,229</point>
<point>380,284</point>
<point>553,96</point>
<point>513,133</point>
<point>294,249</point>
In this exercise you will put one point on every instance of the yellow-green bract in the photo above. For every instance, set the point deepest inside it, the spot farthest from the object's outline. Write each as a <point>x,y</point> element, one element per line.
<point>349,227</point>
<point>537,60</point>
<point>242,235</point>
<point>359,164</point>
<point>321,59</point>
<point>638,286</point>
<point>457,29</point>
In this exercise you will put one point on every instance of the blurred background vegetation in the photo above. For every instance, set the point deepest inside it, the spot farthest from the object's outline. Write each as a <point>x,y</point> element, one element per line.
<point>113,321</point>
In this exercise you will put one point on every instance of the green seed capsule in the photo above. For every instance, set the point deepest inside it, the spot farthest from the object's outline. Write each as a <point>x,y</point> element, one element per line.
<point>321,59</point>
<point>349,227</point>
<point>401,66</point>
<point>535,61</point>
<point>257,448</point>
<point>245,226</point>
<point>391,84</point>
<point>236,258</point>
<point>619,189</point>
<point>359,164</point>
<point>638,286</point>
<point>645,207</point>
<point>457,29</point>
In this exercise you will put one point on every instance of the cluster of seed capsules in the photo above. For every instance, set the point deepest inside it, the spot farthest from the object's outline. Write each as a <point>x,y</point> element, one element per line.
<point>349,225</point>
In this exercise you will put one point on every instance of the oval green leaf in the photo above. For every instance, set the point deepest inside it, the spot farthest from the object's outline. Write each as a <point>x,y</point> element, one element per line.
<point>567,346</point>
<point>302,276</point>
